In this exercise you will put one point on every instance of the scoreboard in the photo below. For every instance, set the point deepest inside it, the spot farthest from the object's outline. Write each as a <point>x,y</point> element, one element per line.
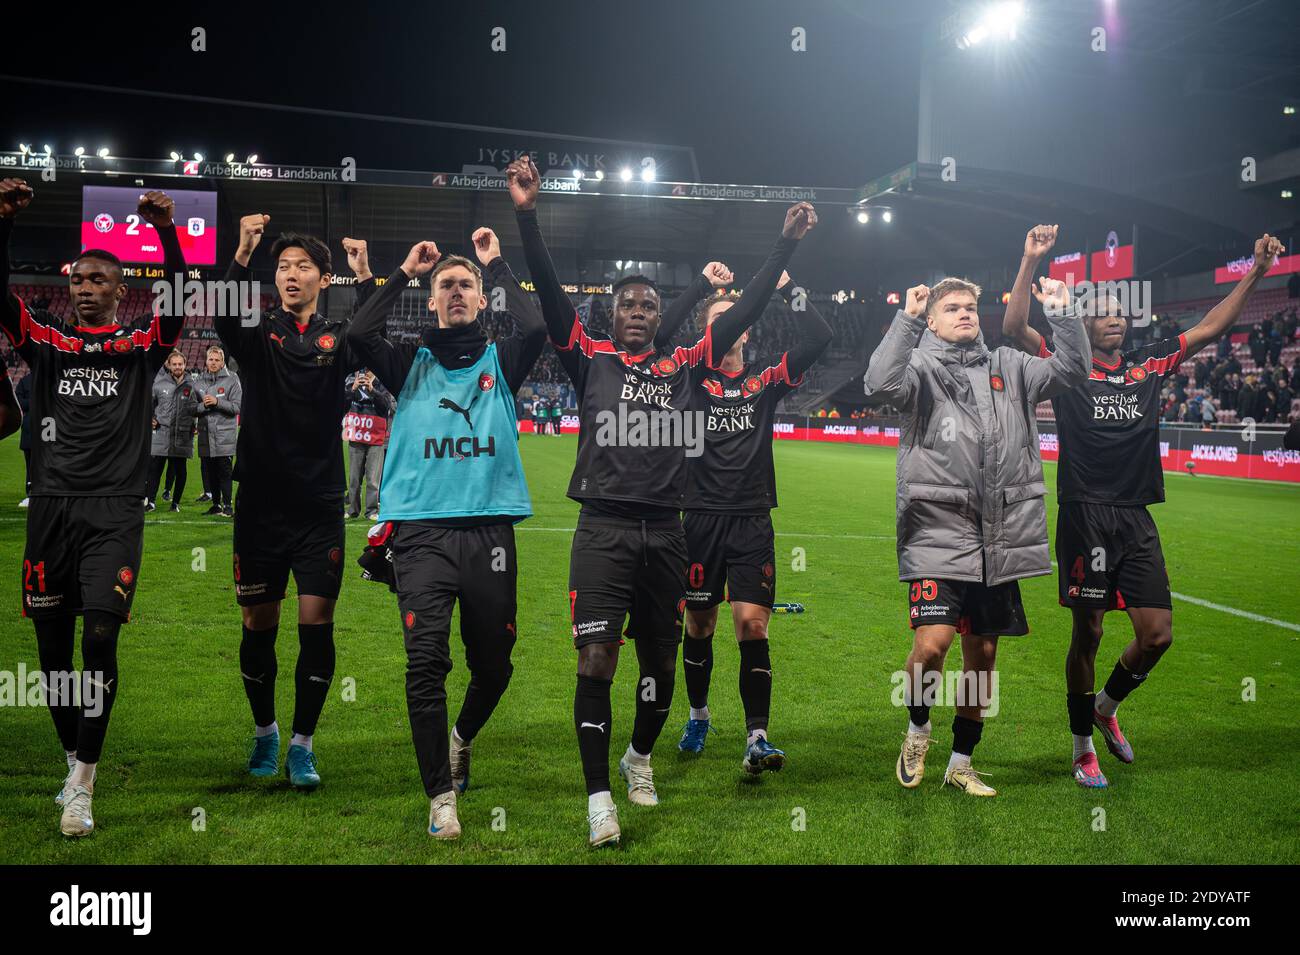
<point>109,221</point>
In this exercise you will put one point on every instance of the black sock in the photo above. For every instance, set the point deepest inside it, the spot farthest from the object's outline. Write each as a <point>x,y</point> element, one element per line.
<point>313,675</point>
<point>755,683</point>
<point>1080,706</point>
<point>919,715</point>
<point>1122,681</point>
<point>99,677</point>
<point>55,637</point>
<point>965,734</point>
<point>697,665</point>
<point>481,697</point>
<point>654,692</point>
<point>258,667</point>
<point>593,719</point>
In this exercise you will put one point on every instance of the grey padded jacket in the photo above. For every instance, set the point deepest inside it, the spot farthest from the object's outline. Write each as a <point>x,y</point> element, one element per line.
<point>970,493</point>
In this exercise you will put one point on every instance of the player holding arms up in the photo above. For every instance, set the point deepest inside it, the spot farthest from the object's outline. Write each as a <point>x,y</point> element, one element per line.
<point>289,507</point>
<point>453,488</point>
<point>629,552</point>
<point>730,493</point>
<point>1108,550</point>
<point>970,512</point>
<point>91,401</point>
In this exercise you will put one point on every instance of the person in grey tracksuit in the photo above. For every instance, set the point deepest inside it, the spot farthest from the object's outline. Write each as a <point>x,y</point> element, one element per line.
<point>368,398</point>
<point>971,515</point>
<point>174,405</point>
<point>220,396</point>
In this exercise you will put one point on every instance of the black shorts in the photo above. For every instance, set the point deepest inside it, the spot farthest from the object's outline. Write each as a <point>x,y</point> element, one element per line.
<point>737,551</point>
<point>1109,558</point>
<point>622,568</point>
<point>272,539</point>
<point>435,566</point>
<point>970,606</point>
<point>83,553</point>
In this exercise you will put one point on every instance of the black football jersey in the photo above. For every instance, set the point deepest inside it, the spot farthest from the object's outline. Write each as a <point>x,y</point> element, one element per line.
<point>1109,428</point>
<point>735,472</point>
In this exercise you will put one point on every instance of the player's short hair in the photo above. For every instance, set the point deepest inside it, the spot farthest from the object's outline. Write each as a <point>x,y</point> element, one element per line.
<point>175,353</point>
<point>316,250</point>
<point>702,310</point>
<point>634,280</point>
<point>218,349</point>
<point>947,286</point>
<point>454,260</point>
<point>102,255</point>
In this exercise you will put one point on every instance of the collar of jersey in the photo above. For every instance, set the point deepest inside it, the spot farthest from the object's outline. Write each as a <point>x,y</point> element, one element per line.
<point>1115,367</point>
<point>102,330</point>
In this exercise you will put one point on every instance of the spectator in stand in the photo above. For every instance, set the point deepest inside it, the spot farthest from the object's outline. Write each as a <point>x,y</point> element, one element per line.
<point>1228,392</point>
<point>1284,396</point>
<point>821,412</point>
<point>220,397</point>
<point>1258,345</point>
<point>370,400</point>
<point>1183,413</point>
<point>1208,412</point>
<point>175,404</point>
<point>23,392</point>
<point>834,413</point>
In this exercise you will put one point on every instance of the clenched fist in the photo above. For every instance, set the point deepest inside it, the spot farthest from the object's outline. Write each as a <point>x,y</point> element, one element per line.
<point>918,296</point>
<point>358,257</point>
<point>486,246</point>
<point>421,259</point>
<point>1039,241</point>
<point>15,196</point>
<point>1267,251</point>
<point>251,230</point>
<point>1052,294</point>
<point>719,275</point>
<point>800,218</point>
<point>524,181</point>
<point>156,208</point>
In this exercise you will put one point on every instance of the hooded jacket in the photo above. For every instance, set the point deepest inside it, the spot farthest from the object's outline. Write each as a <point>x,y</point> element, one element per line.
<point>218,425</point>
<point>970,495</point>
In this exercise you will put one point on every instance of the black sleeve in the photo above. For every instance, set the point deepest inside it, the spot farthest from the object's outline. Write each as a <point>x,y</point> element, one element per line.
<point>365,336</point>
<point>731,324</point>
<point>519,350</point>
<point>168,331</point>
<point>238,333</point>
<point>562,323</point>
<point>814,334</point>
<point>363,292</point>
<point>681,309</point>
<point>11,317</point>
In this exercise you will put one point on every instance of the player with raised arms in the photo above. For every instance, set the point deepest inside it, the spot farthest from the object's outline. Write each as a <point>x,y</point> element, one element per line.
<point>289,506</point>
<point>453,489</point>
<point>971,517</point>
<point>628,559</point>
<point>730,493</point>
<point>1108,551</point>
<point>92,385</point>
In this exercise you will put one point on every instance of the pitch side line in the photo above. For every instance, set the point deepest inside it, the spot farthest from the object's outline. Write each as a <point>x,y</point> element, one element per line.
<point>1237,613</point>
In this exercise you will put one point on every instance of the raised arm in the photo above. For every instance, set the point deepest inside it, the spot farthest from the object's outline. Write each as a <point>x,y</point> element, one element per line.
<point>156,208</point>
<point>15,196</point>
<point>11,416</point>
<point>814,334</point>
<point>715,276</point>
<point>519,350</point>
<point>359,262</point>
<point>365,337</point>
<point>890,378</point>
<point>1223,317</point>
<point>1015,321</point>
<point>238,332</point>
<point>1071,361</point>
<point>800,218</point>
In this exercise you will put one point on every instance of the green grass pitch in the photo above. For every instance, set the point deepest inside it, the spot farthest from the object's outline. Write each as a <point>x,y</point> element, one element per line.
<point>1214,779</point>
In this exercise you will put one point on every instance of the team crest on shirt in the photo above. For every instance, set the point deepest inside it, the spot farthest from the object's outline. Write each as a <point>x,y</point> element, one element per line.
<point>334,555</point>
<point>123,345</point>
<point>486,382</point>
<point>326,342</point>
<point>126,576</point>
<point>752,386</point>
<point>409,619</point>
<point>665,367</point>
<point>1136,374</point>
<point>996,383</point>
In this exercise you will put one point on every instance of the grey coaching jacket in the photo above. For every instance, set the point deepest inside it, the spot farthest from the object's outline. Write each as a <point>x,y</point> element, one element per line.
<point>218,425</point>
<point>970,480</point>
<point>173,408</point>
